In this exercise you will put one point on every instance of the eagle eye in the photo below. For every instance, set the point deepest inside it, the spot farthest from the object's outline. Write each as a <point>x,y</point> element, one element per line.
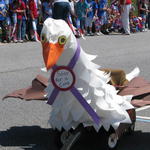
<point>62,40</point>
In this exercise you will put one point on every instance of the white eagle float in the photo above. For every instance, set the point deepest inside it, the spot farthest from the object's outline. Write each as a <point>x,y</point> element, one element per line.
<point>77,90</point>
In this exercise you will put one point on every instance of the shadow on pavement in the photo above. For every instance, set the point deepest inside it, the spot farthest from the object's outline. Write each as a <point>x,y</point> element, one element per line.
<point>30,138</point>
<point>37,138</point>
<point>137,141</point>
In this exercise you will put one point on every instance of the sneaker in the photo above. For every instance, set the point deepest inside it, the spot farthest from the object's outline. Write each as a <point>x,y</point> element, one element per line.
<point>91,34</point>
<point>33,40</point>
<point>144,30</point>
<point>24,40</point>
<point>87,34</point>
<point>15,41</point>
<point>4,41</point>
<point>126,33</point>
<point>26,37</point>
<point>105,32</point>
<point>20,41</point>
<point>97,33</point>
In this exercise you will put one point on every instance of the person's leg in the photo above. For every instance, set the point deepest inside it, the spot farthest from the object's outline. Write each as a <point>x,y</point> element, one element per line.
<point>79,26</point>
<point>23,30</point>
<point>19,24</point>
<point>82,23</point>
<point>104,22</point>
<point>1,37</point>
<point>125,18</point>
<point>87,25</point>
<point>90,26</point>
<point>14,26</point>
<point>97,26</point>
<point>148,21</point>
<point>3,30</point>
<point>143,21</point>
<point>35,34</point>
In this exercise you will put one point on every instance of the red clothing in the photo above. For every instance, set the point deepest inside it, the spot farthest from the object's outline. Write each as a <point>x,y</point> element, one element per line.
<point>21,7</point>
<point>33,9</point>
<point>126,3</point>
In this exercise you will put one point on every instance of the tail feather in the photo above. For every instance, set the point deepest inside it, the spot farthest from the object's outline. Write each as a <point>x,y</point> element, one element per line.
<point>134,73</point>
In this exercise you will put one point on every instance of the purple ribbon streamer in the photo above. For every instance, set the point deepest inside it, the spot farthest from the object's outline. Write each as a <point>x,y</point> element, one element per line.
<point>85,105</point>
<point>74,91</point>
<point>74,59</point>
<point>53,96</point>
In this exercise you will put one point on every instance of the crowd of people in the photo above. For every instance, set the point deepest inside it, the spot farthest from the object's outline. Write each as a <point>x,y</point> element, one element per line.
<point>22,20</point>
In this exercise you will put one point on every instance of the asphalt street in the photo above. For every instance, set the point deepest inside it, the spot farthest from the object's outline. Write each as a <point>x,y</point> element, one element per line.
<point>23,124</point>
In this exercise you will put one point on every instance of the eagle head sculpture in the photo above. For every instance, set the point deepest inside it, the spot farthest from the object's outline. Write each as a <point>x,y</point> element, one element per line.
<point>89,100</point>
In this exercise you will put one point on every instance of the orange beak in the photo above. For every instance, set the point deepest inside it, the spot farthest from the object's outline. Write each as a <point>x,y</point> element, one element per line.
<point>51,53</point>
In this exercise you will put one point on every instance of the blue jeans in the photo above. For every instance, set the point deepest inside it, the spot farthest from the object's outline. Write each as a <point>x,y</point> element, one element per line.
<point>143,20</point>
<point>80,23</point>
<point>19,25</point>
<point>3,29</point>
<point>23,29</point>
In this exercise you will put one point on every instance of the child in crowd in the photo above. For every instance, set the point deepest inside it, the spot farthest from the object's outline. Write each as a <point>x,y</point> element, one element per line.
<point>81,12</point>
<point>91,13</point>
<point>13,15</point>
<point>97,21</point>
<point>98,24</point>
<point>135,23</point>
<point>116,18</point>
<point>20,13</point>
<point>103,15</point>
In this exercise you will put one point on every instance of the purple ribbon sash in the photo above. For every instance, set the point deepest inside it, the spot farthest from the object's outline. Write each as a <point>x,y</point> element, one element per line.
<point>74,91</point>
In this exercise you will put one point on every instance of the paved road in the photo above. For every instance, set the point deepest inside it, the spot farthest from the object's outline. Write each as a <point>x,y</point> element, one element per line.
<point>23,125</point>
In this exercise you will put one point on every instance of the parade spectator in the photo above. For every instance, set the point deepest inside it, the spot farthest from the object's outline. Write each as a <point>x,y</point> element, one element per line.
<point>97,25</point>
<point>135,24</point>
<point>91,13</point>
<point>81,12</point>
<point>97,22</point>
<point>61,9</point>
<point>46,9</point>
<point>103,15</point>
<point>8,21</point>
<point>143,12</point>
<point>38,6</point>
<point>33,20</point>
<point>3,13</point>
<point>73,17</point>
<point>115,15</point>
<point>24,22</point>
<point>13,15</point>
<point>125,10</point>
<point>20,13</point>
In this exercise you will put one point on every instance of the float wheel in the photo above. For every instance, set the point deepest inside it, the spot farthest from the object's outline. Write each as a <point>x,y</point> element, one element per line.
<point>69,139</point>
<point>112,141</point>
